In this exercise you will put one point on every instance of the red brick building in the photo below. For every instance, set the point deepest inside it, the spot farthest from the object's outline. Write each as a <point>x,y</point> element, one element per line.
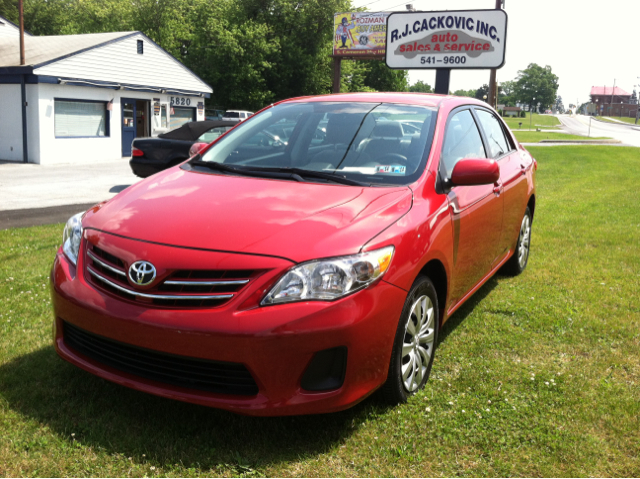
<point>612,101</point>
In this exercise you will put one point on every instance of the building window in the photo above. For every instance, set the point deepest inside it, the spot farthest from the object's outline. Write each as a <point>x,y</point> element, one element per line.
<point>80,118</point>
<point>180,116</point>
<point>140,47</point>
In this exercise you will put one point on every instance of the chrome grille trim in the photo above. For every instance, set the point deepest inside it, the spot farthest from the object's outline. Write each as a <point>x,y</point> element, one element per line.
<point>105,265</point>
<point>156,296</point>
<point>207,283</point>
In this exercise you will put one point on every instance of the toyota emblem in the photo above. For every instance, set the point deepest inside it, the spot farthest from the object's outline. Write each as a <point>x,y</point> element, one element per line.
<point>142,273</point>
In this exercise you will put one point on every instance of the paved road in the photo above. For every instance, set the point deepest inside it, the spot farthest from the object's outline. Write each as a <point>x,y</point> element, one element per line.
<point>579,125</point>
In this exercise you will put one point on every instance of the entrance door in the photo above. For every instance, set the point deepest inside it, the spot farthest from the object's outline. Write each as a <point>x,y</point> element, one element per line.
<point>135,122</point>
<point>128,125</point>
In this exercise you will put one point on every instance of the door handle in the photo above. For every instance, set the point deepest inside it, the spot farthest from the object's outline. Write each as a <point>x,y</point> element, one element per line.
<point>497,189</point>
<point>523,169</point>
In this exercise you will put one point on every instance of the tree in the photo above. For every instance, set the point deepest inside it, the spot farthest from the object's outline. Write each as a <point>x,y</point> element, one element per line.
<point>536,82</point>
<point>9,10</point>
<point>420,87</point>
<point>467,93</point>
<point>380,77</point>
<point>559,106</point>
<point>506,93</point>
<point>634,97</point>
<point>482,92</point>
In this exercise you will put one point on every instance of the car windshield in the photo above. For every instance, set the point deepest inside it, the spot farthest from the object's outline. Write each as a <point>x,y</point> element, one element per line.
<point>371,143</point>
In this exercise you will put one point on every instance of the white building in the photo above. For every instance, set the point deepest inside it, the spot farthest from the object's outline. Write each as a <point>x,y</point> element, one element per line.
<point>9,29</point>
<point>89,96</point>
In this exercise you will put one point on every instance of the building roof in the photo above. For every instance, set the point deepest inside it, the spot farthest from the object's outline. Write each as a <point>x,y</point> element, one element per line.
<point>45,49</point>
<point>10,28</point>
<point>607,90</point>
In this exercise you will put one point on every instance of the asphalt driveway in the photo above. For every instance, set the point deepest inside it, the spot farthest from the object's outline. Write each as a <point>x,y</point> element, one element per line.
<point>43,194</point>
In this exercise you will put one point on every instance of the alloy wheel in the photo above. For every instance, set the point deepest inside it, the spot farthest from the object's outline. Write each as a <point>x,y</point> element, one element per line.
<point>417,347</point>
<point>524,241</point>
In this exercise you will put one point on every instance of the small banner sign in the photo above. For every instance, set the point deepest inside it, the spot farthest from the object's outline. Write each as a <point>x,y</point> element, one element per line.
<point>359,34</point>
<point>156,106</point>
<point>200,108</point>
<point>449,39</point>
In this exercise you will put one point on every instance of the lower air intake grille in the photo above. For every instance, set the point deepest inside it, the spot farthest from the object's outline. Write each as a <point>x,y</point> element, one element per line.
<point>192,373</point>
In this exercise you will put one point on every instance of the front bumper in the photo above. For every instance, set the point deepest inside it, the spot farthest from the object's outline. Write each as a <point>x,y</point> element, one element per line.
<point>274,343</point>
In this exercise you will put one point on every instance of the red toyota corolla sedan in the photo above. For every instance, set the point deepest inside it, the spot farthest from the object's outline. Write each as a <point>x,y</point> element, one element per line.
<point>303,260</point>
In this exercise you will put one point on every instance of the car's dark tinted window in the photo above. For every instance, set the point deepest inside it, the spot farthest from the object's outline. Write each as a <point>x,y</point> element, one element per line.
<point>232,114</point>
<point>369,142</point>
<point>498,144</point>
<point>461,140</point>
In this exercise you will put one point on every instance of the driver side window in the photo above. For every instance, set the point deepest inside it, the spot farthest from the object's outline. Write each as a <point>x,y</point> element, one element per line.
<point>462,140</point>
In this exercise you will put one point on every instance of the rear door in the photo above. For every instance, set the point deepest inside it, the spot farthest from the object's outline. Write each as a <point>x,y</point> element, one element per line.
<point>476,211</point>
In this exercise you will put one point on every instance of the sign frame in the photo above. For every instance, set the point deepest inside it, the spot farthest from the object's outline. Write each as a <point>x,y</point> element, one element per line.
<point>448,66</point>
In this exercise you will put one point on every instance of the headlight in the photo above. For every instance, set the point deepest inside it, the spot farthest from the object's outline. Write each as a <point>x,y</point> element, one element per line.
<point>71,237</point>
<point>330,279</point>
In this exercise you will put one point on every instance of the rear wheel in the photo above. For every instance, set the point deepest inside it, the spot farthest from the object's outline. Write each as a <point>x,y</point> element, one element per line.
<point>415,342</point>
<point>518,262</point>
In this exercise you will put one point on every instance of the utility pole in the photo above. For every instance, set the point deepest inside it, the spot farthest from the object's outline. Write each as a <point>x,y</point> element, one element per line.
<point>21,14</point>
<point>493,93</point>
<point>612,91</point>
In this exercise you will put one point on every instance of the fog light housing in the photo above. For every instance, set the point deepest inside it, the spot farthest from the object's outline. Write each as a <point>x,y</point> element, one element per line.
<point>326,370</point>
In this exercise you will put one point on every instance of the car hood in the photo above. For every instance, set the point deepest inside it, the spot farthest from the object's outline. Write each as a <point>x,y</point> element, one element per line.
<point>288,219</point>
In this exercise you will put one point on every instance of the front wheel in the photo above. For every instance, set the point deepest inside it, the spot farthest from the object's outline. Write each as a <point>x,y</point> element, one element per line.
<point>518,262</point>
<point>414,344</point>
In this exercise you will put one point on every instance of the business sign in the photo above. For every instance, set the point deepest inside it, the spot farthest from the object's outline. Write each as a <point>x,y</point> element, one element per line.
<point>450,39</point>
<point>359,34</point>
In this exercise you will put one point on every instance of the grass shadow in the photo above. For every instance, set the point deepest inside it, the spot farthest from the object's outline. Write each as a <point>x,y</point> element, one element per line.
<point>465,310</point>
<point>130,423</point>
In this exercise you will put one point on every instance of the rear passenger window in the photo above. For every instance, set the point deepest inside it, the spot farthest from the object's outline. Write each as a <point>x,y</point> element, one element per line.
<point>462,140</point>
<point>498,144</point>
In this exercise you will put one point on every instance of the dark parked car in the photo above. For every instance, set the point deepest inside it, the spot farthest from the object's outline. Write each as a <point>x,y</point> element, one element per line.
<point>150,155</point>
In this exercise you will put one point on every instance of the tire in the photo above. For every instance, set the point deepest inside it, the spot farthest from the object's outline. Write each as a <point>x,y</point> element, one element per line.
<point>518,261</point>
<point>420,308</point>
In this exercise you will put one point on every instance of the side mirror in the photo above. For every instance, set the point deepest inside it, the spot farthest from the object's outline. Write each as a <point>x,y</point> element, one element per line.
<point>197,148</point>
<point>475,171</point>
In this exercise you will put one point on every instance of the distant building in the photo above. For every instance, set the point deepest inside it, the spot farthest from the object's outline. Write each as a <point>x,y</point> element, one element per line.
<point>611,101</point>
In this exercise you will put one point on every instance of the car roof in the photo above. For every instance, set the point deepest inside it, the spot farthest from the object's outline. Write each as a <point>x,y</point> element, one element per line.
<point>424,99</point>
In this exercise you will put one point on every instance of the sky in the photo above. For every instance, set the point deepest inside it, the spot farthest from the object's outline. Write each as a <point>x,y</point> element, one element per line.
<point>586,43</point>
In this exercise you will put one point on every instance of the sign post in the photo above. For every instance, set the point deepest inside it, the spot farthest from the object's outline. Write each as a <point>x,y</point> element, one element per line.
<point>469,39</point>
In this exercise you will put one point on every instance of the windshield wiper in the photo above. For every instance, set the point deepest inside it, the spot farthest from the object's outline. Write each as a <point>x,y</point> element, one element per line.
<point>212,165</point>
<point>297,174</point>
<point>332,177</point>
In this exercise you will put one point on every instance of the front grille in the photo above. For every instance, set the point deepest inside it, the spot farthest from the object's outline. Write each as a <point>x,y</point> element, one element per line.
<point>181,288</point>
<point>191,373</point>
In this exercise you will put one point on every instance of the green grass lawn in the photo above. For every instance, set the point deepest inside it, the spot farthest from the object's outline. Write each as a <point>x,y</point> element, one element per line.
<point>537,375</point>
<point>536,136</point>
<point>537,121</point>
<point>631,121</point>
